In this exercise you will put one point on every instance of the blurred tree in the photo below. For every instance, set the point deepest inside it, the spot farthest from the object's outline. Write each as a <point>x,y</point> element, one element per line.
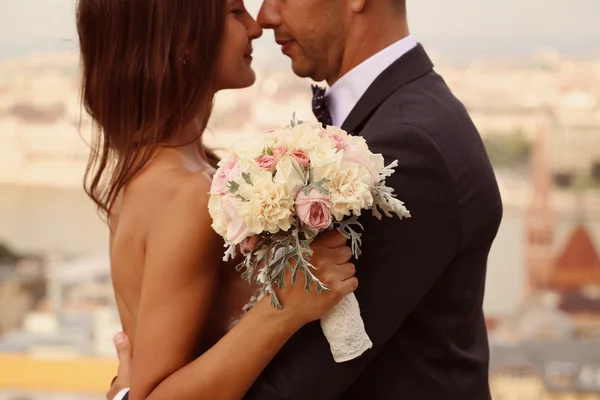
<point>564,179</point>
<point>8,256</point>
<point>596,171</point>
<point>508,149</point>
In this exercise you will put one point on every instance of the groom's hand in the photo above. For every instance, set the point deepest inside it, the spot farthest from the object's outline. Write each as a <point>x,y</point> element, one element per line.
<point>123,378</point>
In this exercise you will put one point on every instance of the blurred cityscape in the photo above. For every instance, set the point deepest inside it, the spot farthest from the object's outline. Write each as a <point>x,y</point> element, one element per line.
<point>538,113</point>
<point>540,119</point>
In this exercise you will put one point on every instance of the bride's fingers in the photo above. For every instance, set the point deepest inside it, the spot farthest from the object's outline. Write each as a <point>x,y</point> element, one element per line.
<point>124,355</point>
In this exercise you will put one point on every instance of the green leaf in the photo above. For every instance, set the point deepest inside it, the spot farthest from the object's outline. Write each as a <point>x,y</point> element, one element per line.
<point>317,185</point>
<point>345,228</point>
<point>275,301</point>
<point>247,178</point>
<point>233,186</point>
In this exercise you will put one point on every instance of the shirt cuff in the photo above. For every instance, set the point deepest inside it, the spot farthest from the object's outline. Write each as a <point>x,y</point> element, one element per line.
<point>122,395</point>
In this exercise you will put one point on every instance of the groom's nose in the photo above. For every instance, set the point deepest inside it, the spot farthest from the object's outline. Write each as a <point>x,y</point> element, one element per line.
<point>269,15</point>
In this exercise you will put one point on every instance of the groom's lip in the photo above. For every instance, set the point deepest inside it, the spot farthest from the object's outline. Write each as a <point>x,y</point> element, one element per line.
<point>285,44</point>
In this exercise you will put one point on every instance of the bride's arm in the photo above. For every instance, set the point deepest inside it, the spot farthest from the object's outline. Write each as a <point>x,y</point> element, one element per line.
<point>180,280</point>
<point>229,368</point>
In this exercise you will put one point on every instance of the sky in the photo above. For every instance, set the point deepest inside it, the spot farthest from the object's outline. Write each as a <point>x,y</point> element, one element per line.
<point>463,28</point>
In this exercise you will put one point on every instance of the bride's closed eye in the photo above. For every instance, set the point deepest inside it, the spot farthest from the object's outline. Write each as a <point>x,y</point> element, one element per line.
<point>237,8</point>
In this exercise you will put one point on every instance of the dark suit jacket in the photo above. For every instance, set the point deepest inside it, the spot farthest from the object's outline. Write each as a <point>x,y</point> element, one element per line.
<point>421,280</point>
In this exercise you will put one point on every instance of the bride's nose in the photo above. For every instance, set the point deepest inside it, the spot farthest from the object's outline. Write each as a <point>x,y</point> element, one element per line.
<point>254,29</point>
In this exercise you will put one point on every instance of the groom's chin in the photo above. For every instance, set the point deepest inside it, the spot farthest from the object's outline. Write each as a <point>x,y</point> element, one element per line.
<point>303,69</point>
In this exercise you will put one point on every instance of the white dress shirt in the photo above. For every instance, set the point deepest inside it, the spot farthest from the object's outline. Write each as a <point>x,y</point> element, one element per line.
<point>121,394</point>
<point>343,95</point>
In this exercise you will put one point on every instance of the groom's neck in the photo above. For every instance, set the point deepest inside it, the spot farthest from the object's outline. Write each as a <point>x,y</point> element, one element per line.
<point>366,38</point>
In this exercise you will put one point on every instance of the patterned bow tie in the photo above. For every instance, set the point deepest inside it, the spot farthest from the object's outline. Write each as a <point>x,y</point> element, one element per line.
<point>319,106</point>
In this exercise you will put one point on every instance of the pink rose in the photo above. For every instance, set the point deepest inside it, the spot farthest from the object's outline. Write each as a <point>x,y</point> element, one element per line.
<point>313,210</point>
<point>355,154</point>
<point>301,158</point>
<point>237,230</point>
<point>339,141</point>
<point>279,151</point>
<point>249,244</point>
<point>226,173</point>
<point>266,162</point>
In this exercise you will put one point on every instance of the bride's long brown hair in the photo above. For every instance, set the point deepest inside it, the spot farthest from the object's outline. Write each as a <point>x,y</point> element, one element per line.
<point>148,70</point>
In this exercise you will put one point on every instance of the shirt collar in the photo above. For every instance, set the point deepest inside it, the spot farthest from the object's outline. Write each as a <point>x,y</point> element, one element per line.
<point>343,95</point>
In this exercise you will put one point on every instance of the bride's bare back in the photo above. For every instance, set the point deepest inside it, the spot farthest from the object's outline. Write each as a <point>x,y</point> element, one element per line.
<point>173,296</point>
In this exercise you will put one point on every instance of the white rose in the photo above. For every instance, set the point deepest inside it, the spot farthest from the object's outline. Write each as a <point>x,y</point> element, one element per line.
<point>252,147</point>
<point>334,130</point>
<point>228,218</point>
<point>248,166</point>
<point>325,161</point>
<point>324,153</point>
<point>290,175</point>
<point>358,141</point>
<point>354,152</point>
<point>350,190</point>
<point>269,207</point>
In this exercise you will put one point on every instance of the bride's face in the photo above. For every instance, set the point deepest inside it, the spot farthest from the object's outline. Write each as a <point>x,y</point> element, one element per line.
<point>234,67</point>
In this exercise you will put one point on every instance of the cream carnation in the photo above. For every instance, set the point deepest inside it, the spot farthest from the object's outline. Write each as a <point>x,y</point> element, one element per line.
<point>268,206</point>
<point>349,190</point>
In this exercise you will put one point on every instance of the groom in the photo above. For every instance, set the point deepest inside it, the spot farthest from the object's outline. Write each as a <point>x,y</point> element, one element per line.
<point>421,280</point>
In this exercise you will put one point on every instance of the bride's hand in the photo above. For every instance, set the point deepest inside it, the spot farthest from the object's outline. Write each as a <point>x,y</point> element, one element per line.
<point>331,258</point>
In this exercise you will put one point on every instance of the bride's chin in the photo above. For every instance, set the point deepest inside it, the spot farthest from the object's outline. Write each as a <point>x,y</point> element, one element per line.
<point>243,80</point>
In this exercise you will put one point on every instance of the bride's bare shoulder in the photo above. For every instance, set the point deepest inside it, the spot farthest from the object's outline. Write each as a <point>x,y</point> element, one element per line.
<point>176,190</point>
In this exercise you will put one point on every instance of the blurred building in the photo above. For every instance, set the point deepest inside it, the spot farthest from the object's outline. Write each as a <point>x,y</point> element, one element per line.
<point>550,347</point>
<point>78,317</point>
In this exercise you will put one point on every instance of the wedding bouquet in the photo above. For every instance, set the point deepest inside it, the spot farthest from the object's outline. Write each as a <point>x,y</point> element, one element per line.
<point>275,192</point>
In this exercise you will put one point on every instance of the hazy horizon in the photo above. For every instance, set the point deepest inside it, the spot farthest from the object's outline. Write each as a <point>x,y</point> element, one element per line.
<point>456,29</point>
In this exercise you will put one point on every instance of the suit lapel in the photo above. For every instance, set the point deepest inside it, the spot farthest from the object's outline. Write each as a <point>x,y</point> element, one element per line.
<point>407,68</point>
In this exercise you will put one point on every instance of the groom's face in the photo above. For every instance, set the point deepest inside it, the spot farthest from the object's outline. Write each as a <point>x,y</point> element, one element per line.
<point>310,32</point>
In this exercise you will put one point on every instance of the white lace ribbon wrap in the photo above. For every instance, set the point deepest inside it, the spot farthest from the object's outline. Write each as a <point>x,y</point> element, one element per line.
<point>345,330</point>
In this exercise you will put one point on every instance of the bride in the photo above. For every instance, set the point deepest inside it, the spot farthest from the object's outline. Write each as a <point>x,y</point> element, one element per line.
<point>150,71</point>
